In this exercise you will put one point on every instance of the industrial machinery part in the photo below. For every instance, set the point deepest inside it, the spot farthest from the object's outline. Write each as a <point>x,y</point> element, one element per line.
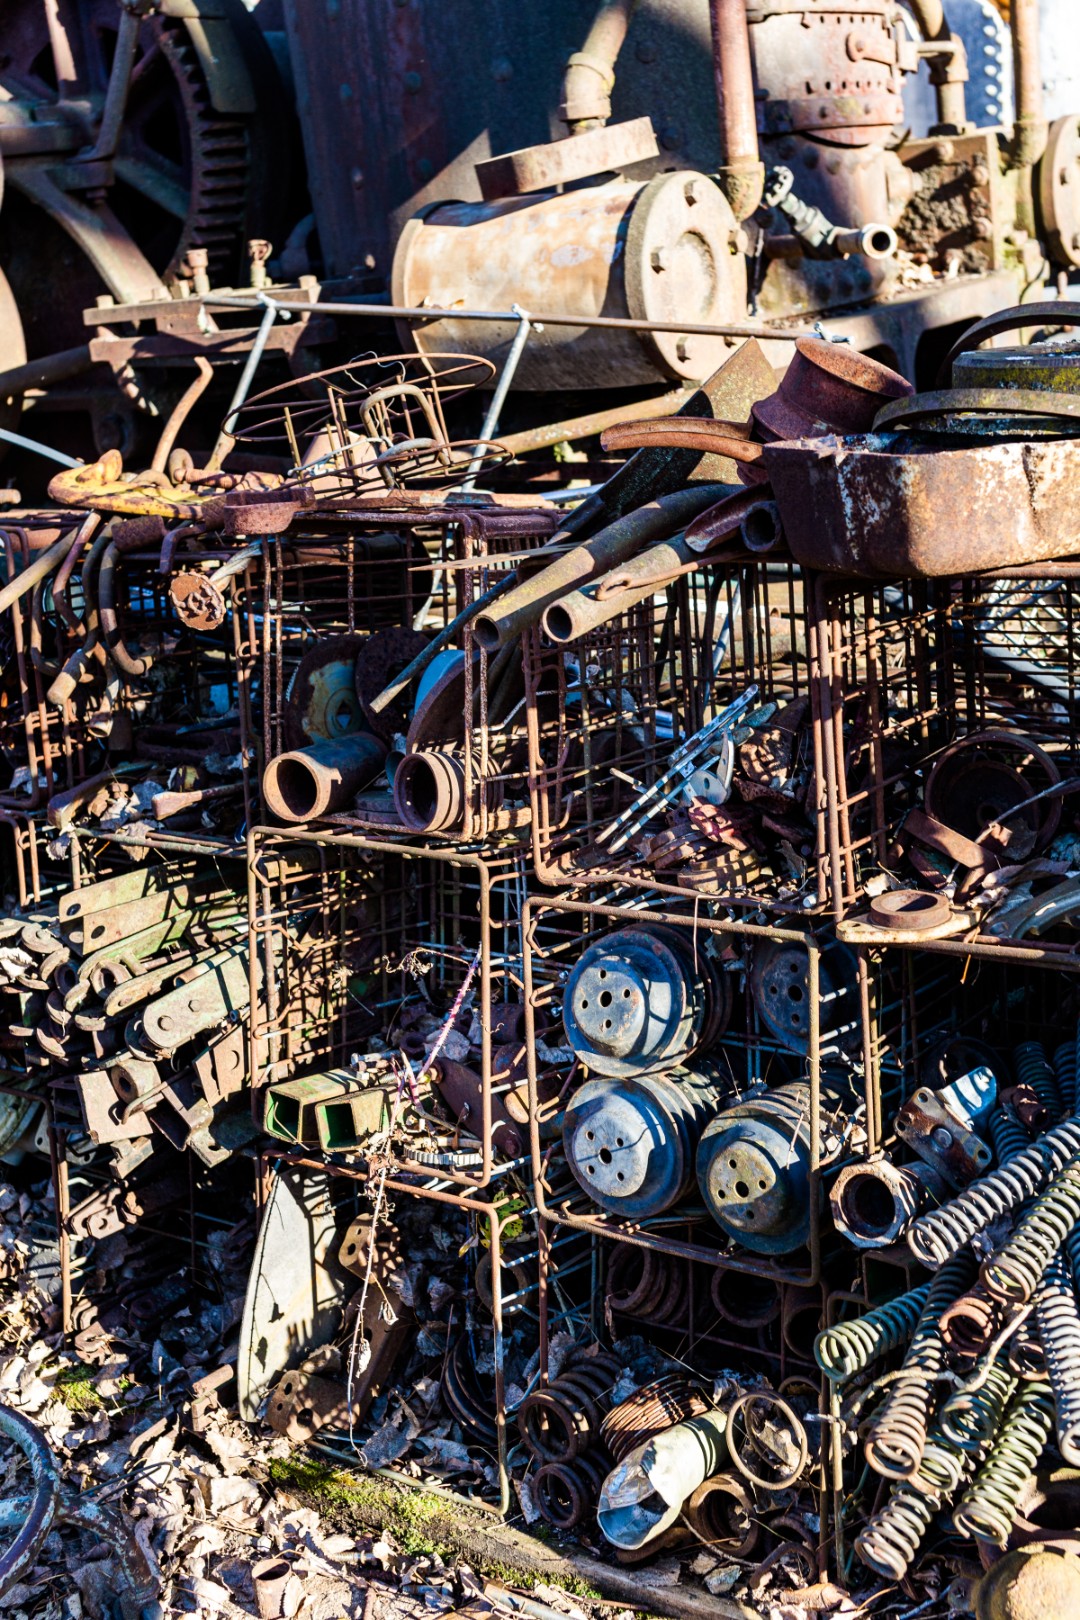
<point>1014,1272</point>
<point>630,1143</point>
<point>970,1417</point>
<point>645,999</point>
<point>849,1347</point>
<point>984,782</point>
<point>313,782</point>
<point>942,1136</point>
<point>464,1395</point>
<point>644,1493</point>
<point>1057,1314</point>
<point>659,1405</point>
<point>667,249</point>
<point>753,1168</point>
<point>873,1203</point>
<point>991,1502</point>
<point>818,236</point>
<point>940,1233</point>
<point>890,1540</point>
<point>562,1419</point>
<point>897,1436</point>
<point>1007,1134</point>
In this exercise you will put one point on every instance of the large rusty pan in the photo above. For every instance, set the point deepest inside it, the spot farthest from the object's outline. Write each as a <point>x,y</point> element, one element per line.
<point>877,507</point>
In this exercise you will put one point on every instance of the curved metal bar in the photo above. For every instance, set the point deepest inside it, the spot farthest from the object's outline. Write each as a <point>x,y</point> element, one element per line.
<point>18,1559</point>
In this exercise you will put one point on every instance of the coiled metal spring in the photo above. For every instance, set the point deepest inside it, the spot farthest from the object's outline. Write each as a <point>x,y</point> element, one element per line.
<point>844,1350</point>
<point>940,1233</point>
<point>1014,1272</point>
<point>1057,1313</point>
<point>894,1446</point>
<point>989,1507</point>
<point>562,1420</point>
<point>566,1493</point>
<point>970,1417</point>
<point>1065,1072</point>
<point>893,1536</point>
<point>1007,1134</point>
<point>1033,1069</point>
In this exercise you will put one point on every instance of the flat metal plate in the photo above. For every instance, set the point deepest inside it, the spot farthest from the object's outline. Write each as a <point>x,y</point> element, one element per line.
<point>296,1289</point>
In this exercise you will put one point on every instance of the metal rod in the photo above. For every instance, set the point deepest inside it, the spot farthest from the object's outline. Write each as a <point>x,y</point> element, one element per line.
<point>606,323</point>
<point>498,398</point>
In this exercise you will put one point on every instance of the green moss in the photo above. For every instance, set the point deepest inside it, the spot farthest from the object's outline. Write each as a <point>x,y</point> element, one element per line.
<point>76,1389</point>
<point>421,1523</point>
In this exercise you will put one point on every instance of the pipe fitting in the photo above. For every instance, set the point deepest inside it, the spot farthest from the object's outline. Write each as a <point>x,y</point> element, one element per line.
<point>874,1203</point>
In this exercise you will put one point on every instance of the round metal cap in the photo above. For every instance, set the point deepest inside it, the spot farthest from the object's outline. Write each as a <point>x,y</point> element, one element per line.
<point>753,1177</point>
<point>627,1004</point>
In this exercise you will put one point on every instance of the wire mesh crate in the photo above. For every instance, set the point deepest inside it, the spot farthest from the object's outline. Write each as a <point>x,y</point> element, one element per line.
<point>950,735</point>
<point>674,1039</point>
<point>608,710</point>
<point>387,979</point>
<point>337,609</point>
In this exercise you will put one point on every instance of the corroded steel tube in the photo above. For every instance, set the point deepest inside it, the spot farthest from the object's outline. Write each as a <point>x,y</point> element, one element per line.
<point>312,782</point>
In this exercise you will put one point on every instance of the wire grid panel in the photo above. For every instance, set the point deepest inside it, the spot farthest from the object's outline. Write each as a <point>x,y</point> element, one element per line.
<point>906,672</point>
<point>377,592</point>
<point>362,950</point>
<point>749,1057</point>
<point>607,711</point>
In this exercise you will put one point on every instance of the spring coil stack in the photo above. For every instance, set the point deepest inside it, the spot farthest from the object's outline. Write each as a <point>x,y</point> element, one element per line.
<point>850,1347</point>
<point>1015,1271</point>
<point>1057,1313</point>
<point>989,1506</point>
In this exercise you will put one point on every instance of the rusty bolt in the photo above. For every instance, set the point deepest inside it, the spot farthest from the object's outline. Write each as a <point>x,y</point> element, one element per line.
<point>692,192</point>
<point>980,174</point>
<point>983,229</point>
<point>944,151</point>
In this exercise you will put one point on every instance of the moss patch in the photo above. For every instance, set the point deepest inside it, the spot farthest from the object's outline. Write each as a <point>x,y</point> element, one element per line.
<point>421,1523</point>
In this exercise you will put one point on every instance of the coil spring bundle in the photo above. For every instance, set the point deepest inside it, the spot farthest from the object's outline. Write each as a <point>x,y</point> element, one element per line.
<point>969,1325</point>
<point>1014,1272</point>
<point>942,1232</point>
<point>970,1418</point>
<point>651,1409</point>
<point>894,1446</point>
<point>647,1283</point>
<point>562,1420</point>
<point>566,1493</point>
<point>1007,1134</point>
<point>1032,1069</point>
<point>989,1507</point>
<point>893,1537</point>
<point>844,1350</point>
<point>1058,1316</point>
<point>1065,1072</point>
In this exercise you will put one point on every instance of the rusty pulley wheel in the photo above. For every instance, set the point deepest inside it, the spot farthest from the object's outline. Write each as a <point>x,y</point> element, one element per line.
<point>321,704</point>
<point>993,779</point>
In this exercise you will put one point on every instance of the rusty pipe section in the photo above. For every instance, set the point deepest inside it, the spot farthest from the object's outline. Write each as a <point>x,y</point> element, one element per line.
<point>620,541</point>
<point>312,782</point>
<point>742,173</point>
<point>590,73</point>
<point>1030,130</point>
<point>948,66</point>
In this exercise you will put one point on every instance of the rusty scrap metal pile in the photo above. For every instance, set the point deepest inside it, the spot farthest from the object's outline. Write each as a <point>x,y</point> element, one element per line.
<point>624,954</point>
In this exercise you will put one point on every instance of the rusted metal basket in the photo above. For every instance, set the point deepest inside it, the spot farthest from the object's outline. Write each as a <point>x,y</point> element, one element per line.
<point>747,1055</point>
<point>606,712</point>
<point>949,731</point>
<point>346,932</point>
<point>338,608</point>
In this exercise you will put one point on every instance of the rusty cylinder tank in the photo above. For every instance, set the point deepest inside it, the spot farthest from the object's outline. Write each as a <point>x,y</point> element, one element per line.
<point>668,249</point>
